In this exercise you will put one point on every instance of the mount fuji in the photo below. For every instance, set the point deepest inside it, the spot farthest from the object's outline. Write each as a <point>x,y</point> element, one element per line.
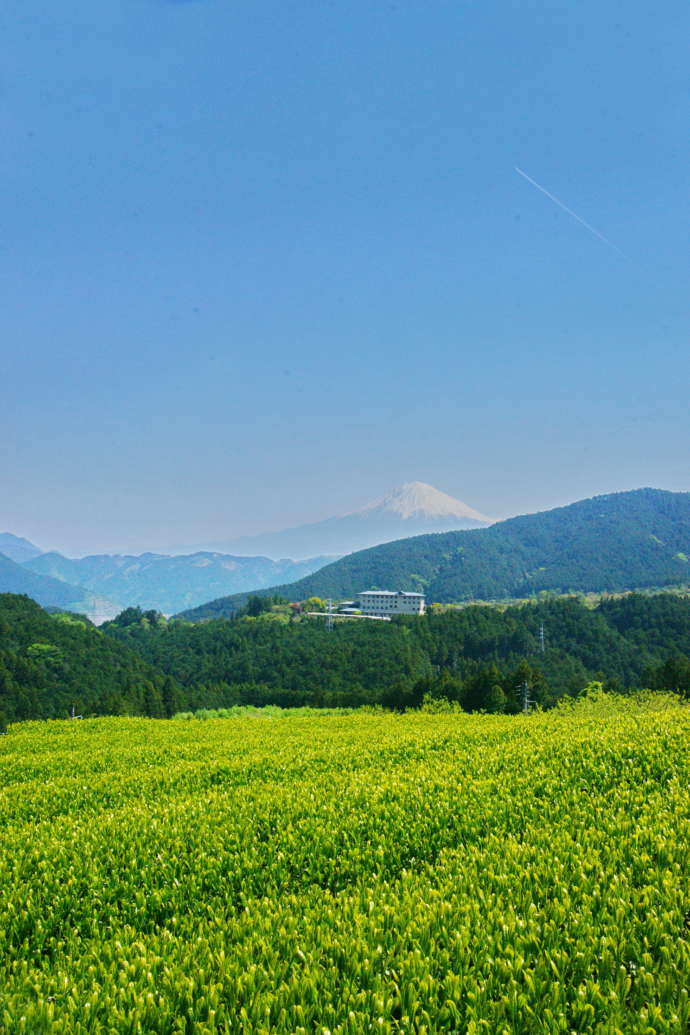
<point>414,508</point>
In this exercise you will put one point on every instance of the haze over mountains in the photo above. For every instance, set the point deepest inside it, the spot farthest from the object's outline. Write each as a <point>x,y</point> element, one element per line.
<point>167,584</point>
<point>622,541</point>
<point>617,542</point>
<point>412,509</point>
<point>18,549</point>
<point>101,585</point>
<point>51,592</point>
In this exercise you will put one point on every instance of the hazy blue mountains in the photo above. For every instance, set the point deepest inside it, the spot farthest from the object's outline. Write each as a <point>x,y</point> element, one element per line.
<point>158,582</point>
<point>628,540</point>
<point>44,589</point>
<point>18,549</point>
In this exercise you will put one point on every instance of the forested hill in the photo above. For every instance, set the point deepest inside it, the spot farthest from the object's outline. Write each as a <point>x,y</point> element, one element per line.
<point>622,541</point>
<point>50,664</point>
<point>481,656</point>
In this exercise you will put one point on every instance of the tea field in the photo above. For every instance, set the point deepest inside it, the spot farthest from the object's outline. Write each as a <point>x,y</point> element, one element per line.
<point>349,873</point>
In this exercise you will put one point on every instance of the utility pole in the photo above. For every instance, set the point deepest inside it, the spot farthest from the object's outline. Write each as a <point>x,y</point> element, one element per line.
<point>526,699</point>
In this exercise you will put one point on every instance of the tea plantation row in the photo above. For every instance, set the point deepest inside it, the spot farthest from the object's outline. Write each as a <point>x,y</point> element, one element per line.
<point>349,873</point>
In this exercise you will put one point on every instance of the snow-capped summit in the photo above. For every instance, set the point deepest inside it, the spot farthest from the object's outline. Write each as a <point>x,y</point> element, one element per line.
<point>418,501</point>
<point>412,509</point>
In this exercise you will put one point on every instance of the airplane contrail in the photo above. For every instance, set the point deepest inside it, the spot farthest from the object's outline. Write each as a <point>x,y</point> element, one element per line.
<point>557,201</point>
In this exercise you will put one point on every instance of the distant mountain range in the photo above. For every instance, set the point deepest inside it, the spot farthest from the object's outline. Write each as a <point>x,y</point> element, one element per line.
<point>101,585</point>
<point>18,549</point>
<point>161,583</point>
<point>411,509</point>
<point>627,540</point>
<point>50,592</point>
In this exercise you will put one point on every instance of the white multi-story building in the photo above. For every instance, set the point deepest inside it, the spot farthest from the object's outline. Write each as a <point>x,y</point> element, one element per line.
<point>384,603</point>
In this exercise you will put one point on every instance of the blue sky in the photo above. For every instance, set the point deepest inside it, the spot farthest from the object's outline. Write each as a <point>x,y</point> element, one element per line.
<point>259,263</point>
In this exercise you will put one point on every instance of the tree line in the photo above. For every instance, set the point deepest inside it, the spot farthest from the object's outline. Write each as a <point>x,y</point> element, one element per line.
<point>482,657</point>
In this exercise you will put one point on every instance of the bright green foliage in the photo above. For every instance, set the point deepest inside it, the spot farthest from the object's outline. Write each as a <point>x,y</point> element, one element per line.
<point>349,873</point>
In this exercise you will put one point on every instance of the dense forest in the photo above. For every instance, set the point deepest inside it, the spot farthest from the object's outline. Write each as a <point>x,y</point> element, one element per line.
<point>51,665</point>
<point>483,657</point>
<point>623,541</point>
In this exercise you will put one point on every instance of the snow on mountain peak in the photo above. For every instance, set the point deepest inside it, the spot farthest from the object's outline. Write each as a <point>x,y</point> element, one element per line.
<point>419,500</point>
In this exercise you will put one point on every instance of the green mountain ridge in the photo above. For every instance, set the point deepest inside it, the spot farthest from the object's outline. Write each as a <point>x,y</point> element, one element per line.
<point>611,543</point>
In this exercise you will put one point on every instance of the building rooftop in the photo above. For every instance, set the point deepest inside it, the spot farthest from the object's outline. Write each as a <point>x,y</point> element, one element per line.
<point>389,593</point>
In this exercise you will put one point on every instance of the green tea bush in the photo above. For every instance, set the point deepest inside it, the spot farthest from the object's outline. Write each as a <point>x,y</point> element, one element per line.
<point>349,873</point>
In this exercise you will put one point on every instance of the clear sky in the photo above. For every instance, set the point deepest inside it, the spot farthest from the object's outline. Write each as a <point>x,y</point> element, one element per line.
<point>262,262</point>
